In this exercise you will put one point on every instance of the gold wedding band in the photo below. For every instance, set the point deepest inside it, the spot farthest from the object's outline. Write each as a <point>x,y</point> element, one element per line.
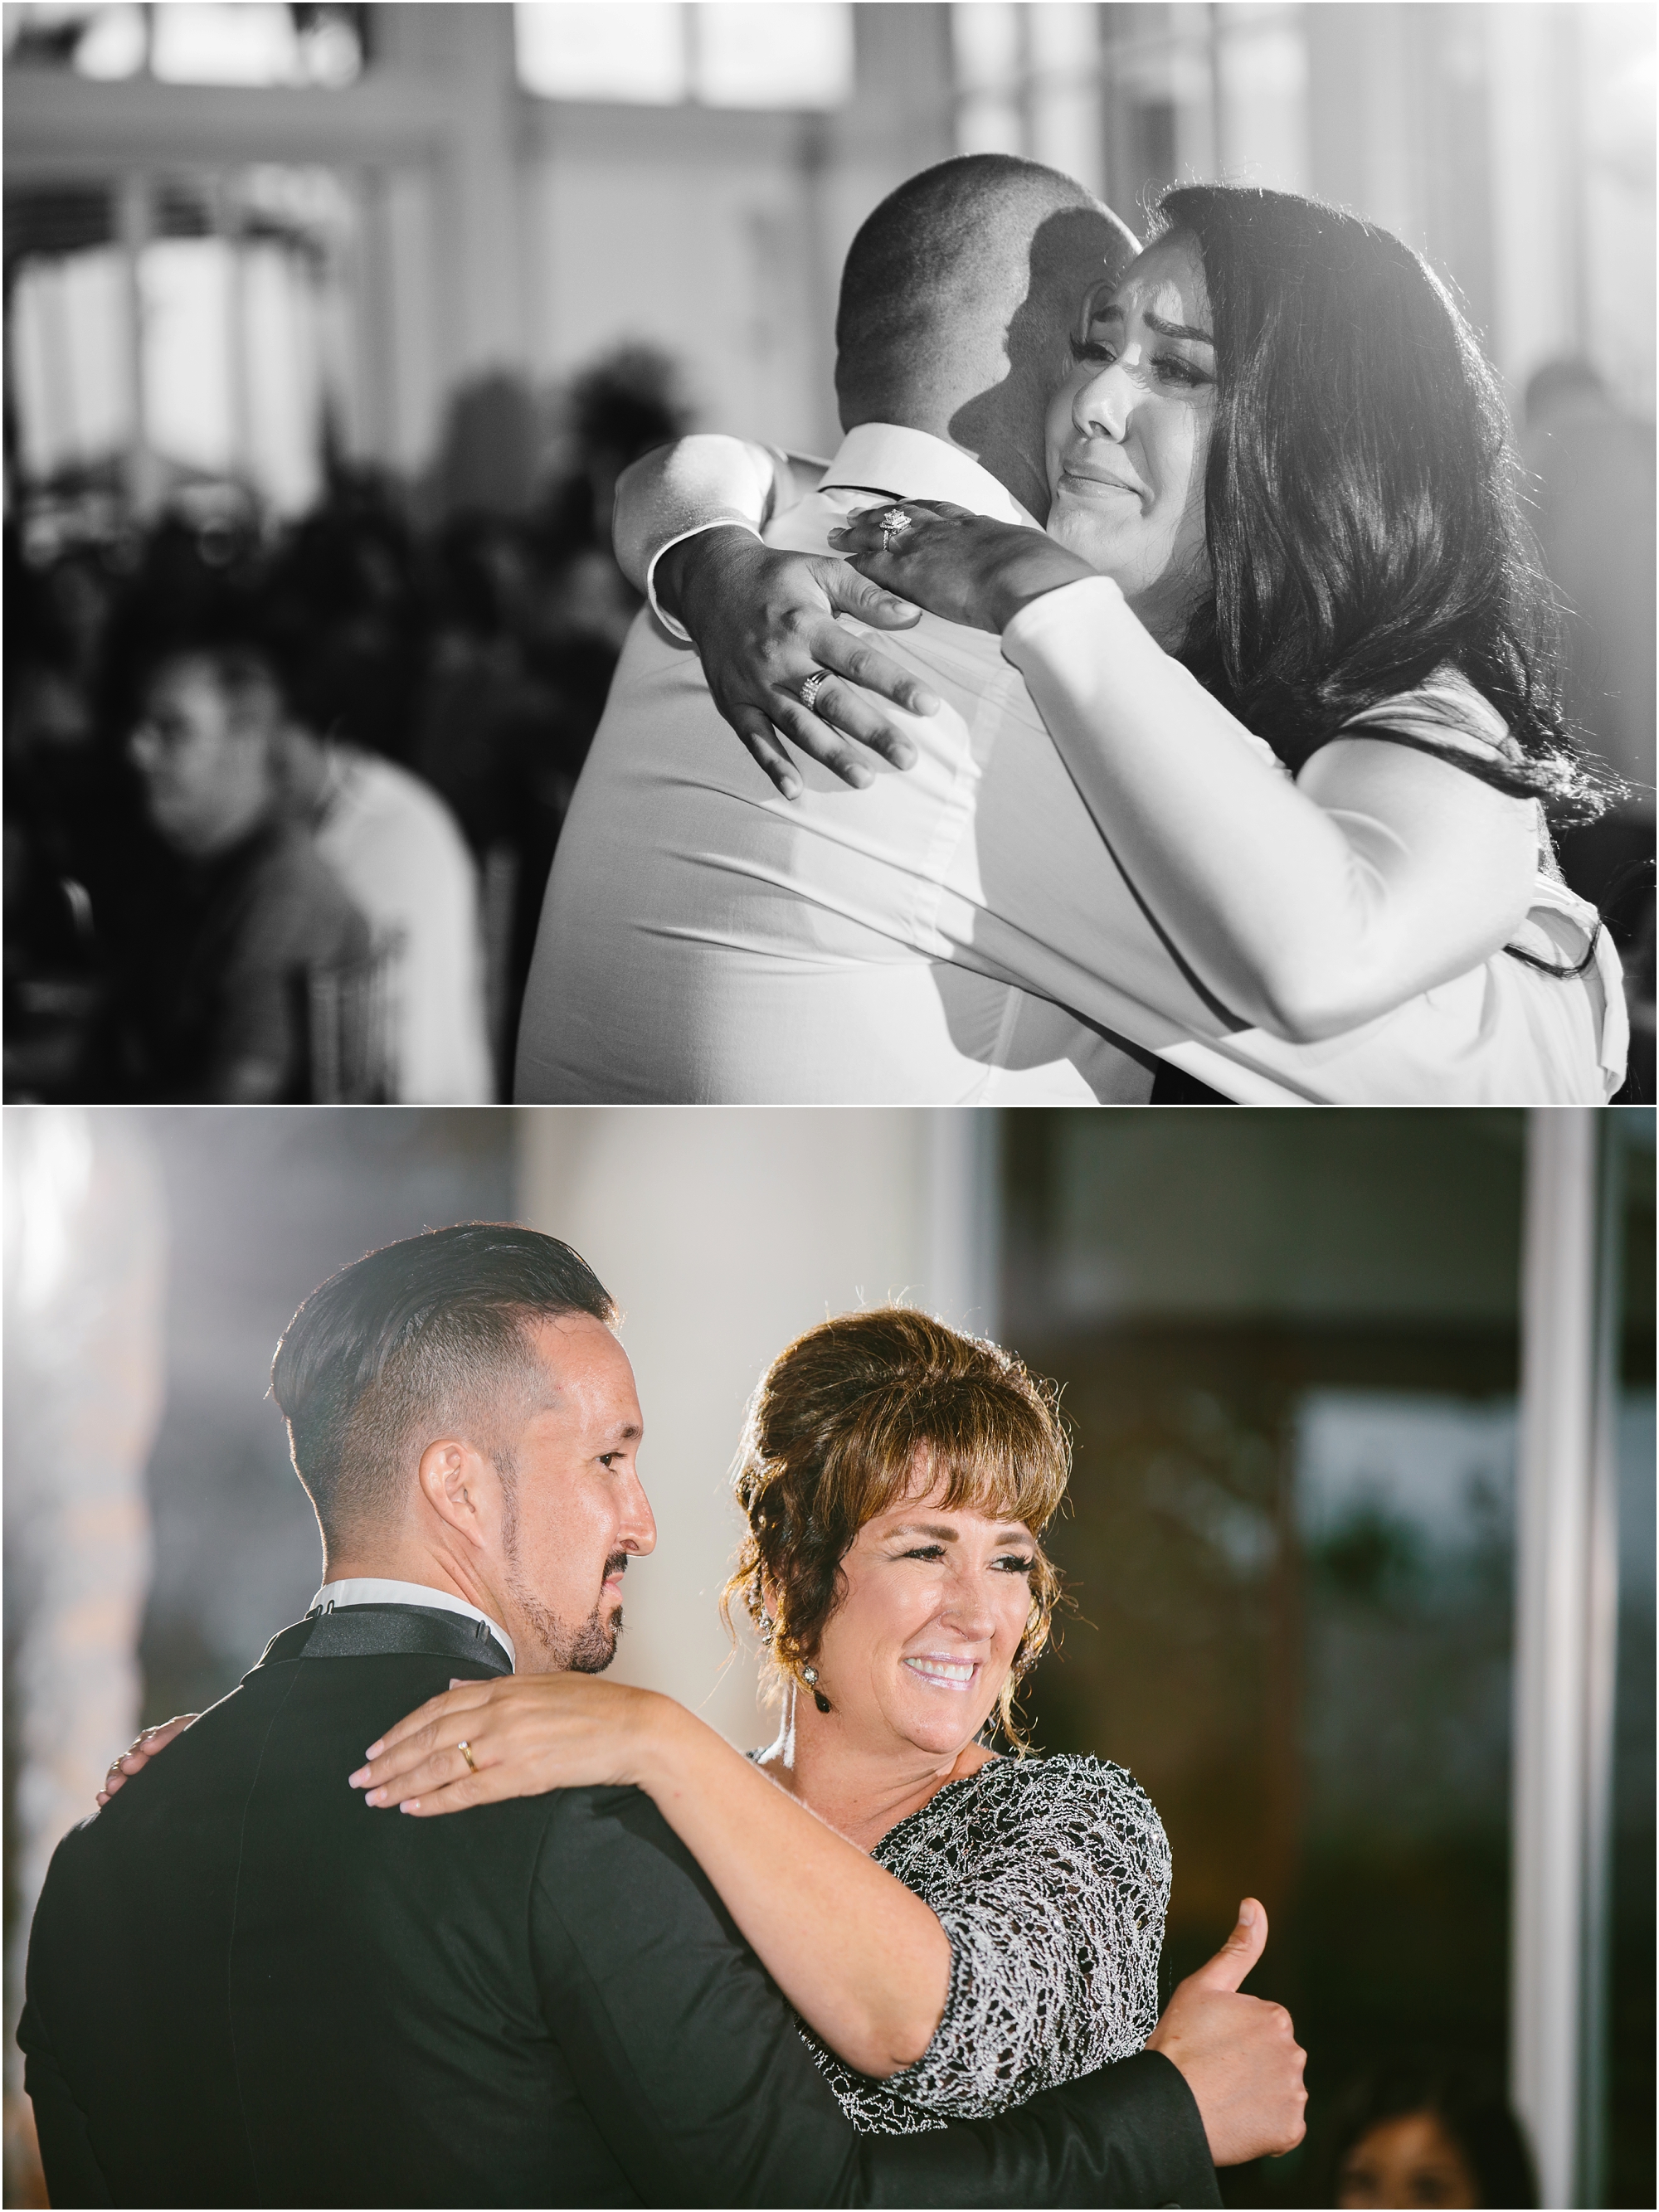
<point>466,1750</point>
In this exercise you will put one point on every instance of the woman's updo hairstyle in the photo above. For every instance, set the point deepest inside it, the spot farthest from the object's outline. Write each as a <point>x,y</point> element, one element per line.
<point>1361,509</point>
<point>832,1439</point>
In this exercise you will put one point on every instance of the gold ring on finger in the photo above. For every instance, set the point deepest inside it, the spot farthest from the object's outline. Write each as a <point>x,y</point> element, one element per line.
<point>466,1750</point>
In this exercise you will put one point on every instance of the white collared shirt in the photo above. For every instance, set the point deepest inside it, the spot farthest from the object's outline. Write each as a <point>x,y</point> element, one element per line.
<point>372,1589</point>
<point>956,934</point>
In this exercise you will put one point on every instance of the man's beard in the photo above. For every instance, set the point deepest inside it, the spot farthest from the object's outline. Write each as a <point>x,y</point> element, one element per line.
<point>588,1649</point>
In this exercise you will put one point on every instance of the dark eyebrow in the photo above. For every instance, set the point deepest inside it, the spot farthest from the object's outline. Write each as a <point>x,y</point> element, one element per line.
<point>629,1431</point>
<point>1177,330</point>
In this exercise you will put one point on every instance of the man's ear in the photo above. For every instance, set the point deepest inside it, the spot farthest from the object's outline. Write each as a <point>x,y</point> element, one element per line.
<point>459,1484</point>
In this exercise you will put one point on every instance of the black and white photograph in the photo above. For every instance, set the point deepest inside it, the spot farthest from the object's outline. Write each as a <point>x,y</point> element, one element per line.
<point>524,575</point>
<point>679,676</point>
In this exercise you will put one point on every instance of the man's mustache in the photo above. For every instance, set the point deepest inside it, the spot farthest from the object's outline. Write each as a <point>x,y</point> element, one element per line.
<point>615,1564</point>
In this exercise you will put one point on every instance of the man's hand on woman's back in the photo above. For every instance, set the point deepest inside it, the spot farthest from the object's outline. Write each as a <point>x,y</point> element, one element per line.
<point>1238,2055</point>
<point>764,623</point>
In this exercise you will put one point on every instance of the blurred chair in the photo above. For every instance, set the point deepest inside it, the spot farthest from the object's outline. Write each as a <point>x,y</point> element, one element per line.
<point>350,1028</point>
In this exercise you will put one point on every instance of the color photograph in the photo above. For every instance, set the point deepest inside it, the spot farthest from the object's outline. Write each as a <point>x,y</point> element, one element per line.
<point>1133,1550</point>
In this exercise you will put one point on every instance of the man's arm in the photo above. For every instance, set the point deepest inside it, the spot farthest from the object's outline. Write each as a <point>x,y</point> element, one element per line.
<point>692,2067</point>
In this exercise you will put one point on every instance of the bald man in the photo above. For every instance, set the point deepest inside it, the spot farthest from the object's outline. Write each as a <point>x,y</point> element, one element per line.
<point>702,939</point>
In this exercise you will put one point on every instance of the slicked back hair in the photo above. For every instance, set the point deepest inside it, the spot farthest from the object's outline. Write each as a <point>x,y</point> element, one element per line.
<point>423,1337</point>
<point>923,256</point>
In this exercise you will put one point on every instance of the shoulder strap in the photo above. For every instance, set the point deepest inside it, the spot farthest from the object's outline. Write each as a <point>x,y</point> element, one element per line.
<point>379,1632</point>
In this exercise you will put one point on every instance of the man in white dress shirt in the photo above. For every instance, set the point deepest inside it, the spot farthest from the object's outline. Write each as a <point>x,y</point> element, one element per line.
<point>957,933</point>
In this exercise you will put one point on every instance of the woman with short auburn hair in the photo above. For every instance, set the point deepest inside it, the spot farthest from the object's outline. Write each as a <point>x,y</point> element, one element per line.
<point>832,1440</point>
<point>957,1928</point>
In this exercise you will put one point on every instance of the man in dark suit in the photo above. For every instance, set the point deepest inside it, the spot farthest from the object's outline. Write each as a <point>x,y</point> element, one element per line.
<point>244,1989</point>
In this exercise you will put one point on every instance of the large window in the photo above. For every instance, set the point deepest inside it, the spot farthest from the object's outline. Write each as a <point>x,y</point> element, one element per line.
<point>248,42</point>
<point>1291,1360</point>
<point>1130,99</point>
<point>173,330</point>
<point>752,54</point>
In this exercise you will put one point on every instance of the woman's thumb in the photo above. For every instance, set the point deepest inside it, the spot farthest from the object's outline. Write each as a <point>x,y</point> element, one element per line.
<point>1239,1953</point>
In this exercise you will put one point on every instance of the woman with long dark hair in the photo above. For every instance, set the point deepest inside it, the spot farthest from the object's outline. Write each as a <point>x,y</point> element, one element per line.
<point>1286,632</point>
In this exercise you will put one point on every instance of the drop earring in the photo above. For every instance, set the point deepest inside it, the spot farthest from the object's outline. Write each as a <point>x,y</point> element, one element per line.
<point>809,1676</point>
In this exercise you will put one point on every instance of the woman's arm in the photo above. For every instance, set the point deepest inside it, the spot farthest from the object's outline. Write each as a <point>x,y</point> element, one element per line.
<point>862,1960</point>
<point>1306,908</point>
<point>1078,1863</point>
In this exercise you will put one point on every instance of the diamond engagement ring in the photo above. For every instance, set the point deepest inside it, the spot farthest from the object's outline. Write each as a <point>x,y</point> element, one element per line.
<point>892,525</point>
<point>466,1750</point>
<point>814,684</point>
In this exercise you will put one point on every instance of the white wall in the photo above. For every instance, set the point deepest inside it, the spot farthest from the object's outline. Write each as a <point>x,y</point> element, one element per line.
<point>723,1234</point>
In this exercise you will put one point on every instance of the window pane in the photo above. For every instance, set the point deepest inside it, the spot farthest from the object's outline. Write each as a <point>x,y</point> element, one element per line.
<point>632,50</point>
<point>98,41</point>
<point>114,44</point>
<point>773,56</point>
<point>71,352</point>
<point>250,43</point>
<point>985,48</point>
<point>186,287</point>
<point>284,377</point>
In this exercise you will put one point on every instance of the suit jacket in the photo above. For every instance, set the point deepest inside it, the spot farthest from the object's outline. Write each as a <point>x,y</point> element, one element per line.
<point>246,1987</point>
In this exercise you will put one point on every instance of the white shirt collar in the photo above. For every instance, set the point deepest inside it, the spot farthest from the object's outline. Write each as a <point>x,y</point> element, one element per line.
<point>370,1590</point>
<point>886,457</point>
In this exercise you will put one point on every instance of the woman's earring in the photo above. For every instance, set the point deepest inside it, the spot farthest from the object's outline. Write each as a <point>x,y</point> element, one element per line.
<point>809,1675</point>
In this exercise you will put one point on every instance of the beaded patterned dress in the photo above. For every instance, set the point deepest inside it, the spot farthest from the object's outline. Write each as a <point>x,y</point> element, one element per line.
<point>1051,1878</point>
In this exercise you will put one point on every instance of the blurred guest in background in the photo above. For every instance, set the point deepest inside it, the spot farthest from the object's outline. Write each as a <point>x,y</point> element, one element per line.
<point>400,856</point>
<point>395,849</point>
<point>1415,2131</point>
<point>213,1000</point>
<point>531,612</point>
<point>440,655</point>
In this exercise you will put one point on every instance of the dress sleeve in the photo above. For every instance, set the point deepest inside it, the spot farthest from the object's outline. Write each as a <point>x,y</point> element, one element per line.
<point>1056,1923</point>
